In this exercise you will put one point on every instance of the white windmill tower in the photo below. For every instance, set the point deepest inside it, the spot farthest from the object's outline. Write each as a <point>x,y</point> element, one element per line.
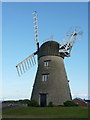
<point>51,82</point>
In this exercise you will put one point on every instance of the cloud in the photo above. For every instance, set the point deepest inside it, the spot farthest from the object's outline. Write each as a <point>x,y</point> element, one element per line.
<point>81,96</point>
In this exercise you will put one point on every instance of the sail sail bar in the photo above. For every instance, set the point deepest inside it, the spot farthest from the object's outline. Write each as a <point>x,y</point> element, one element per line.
<point>72,36</point>
<point>26,64</point>
<point>35,21</point>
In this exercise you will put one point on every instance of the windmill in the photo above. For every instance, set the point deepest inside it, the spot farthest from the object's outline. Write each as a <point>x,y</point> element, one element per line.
<point>51,82</point>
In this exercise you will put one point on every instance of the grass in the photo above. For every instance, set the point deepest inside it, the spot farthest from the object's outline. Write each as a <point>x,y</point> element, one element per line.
<point>46,112</point>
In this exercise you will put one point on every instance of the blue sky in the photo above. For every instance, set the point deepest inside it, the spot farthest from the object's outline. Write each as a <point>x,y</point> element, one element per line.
<point>18,43</point>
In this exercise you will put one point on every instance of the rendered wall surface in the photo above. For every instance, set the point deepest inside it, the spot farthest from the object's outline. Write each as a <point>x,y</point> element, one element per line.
<point>56,87</point>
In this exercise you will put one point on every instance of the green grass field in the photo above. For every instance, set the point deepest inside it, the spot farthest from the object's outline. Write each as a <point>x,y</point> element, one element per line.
<point>46,112</point>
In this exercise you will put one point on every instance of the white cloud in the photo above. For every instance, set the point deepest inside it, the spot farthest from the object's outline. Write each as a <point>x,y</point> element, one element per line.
<point>83,96</point>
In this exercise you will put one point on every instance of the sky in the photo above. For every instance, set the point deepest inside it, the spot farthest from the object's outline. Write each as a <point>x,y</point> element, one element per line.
<point>45,0</point>
<point>18,42</point>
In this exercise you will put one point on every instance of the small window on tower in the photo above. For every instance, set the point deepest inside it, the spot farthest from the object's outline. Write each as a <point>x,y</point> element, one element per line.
<point>45,77</point>
<point>46,63</point>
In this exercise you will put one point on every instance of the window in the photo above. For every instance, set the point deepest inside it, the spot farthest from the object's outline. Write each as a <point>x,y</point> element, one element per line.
<point>46,63</point>
<point>45,77</point>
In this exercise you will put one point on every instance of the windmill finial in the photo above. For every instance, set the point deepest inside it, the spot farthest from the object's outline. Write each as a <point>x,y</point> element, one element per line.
<point>50,38</point>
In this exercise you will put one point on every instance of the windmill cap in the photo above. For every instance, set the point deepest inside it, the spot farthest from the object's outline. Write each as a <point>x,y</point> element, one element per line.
<point>49,48</point>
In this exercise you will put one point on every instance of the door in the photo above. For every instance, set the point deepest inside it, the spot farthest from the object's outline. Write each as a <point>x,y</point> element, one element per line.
<point>43,100</point>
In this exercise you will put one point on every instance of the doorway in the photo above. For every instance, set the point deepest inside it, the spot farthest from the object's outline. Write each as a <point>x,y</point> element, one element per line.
<point>43,99</point>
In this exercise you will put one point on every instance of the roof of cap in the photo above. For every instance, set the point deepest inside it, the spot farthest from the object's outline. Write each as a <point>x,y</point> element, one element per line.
<point>49,48</point>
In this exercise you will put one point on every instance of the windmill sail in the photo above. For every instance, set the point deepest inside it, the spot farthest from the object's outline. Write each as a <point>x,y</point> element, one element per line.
<point>26,64</point>
<point>35,21</point>
<point>72,36</point>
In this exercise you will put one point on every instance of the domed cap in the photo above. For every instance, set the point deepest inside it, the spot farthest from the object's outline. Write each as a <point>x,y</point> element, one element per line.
<point>49,48</point>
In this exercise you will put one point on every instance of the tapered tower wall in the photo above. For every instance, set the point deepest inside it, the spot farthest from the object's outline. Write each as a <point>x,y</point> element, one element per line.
<point>55,85</point>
